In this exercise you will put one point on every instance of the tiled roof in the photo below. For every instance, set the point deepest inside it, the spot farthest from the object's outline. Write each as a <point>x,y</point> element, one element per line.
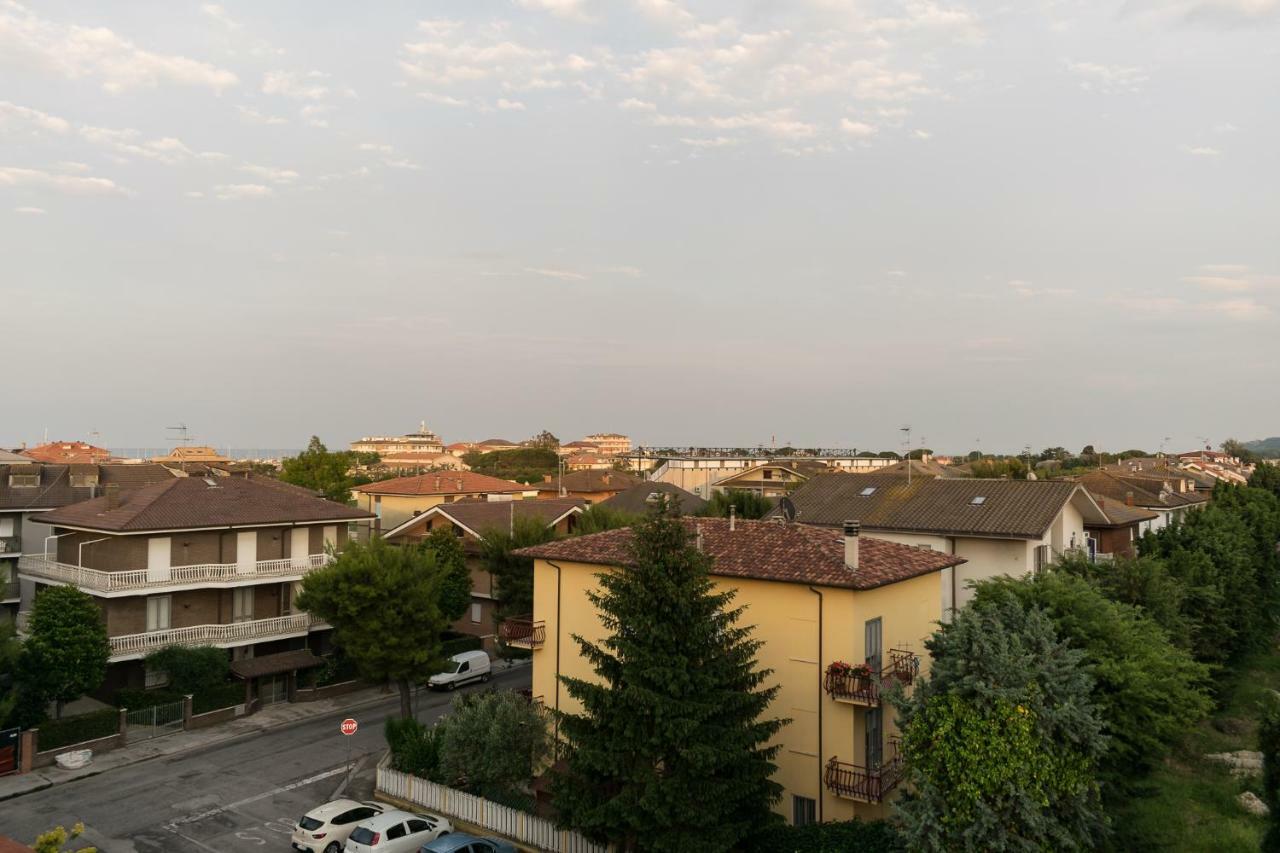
<point>1147,491</point>
<point>636,498</point>
<point>442,483</point>
<point>1118,514</point>
<point>482,516</point>
<point>1017,509</point>
<point>67,452</point>
<point>591,480</point>
<point>193,502</point>
<point>924,469</point>
<point>766,550</point>
<point>16,458</point>
<point>55,487</point>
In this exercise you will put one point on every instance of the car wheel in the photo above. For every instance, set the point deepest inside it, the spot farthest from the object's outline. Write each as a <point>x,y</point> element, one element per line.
<point>453,686</point>
<point>333,848</point>
<point>485,678</point>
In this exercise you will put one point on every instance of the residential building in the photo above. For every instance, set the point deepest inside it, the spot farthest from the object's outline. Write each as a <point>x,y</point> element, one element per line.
<point>28,488</point>
<point>489,445</point>
<point>196,454</point>
<point>573,448</point>
<point>1000,527</point>
<point>471,521</point>
<point>592,485</point>
<point>698,472</point>
<point>1170,498</point>
<point>818,600</point>
<point>420,463</point>
<point>422,441</point>
<point>644,496</point>
<point>196,561</point>
<point>67,453</point>
<point>610,443</point>
<point>770,479</point>
<point>1117,535</point>
<point>393,502</point>
<point>588,462</point>
<point>459,448</point>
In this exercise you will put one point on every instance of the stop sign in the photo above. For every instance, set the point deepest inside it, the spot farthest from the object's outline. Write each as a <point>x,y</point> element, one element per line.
<point>349,726</point>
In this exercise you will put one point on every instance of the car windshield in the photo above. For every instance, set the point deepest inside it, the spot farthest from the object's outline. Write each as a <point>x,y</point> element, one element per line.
<point>362,835</point>
<point>452,666</point>
<point>309,823</point>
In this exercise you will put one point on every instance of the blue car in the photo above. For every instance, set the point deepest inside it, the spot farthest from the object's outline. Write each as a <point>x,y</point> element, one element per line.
<point>460,842</point>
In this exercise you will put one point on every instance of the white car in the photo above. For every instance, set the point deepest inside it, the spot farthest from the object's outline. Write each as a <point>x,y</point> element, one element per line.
<point>462,668</point>
<point>395,831</point>
<point>325,828</point>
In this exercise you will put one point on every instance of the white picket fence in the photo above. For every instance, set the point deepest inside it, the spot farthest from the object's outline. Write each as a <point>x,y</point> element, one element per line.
<point>512,823</point>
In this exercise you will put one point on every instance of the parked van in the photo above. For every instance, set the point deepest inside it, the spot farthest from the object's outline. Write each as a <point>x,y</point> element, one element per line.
<point>463,668</point>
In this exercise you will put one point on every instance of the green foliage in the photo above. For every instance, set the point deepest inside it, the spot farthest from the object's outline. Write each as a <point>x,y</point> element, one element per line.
<point>1008,468</point>
<point>598,518</point>
<point>1266,477</point>
<point>10,654</point>
<point>1269,746</point>
<point>135,698</point>
<point>1240,450</point>
<point>494,742</point>
<point>455,588</point>
<point>217,697</point>
<point>1145,583</point>
<point>66,654</point>
<point>384,605</point>
<point>322,471</point>
<point>415,748</point>
<point>670,752</point>
<point>52,841</point>
<point>513,575</point>
<point>844,836</point>
<point>191,669</point>
<point>748,504</point>
<point>335,669</point>
<point>1148,690</point>
<point>1002,669</point>
<point>544,440</point>
<point>525,465</point>
<point>464,643</point>
<point>55,734</point>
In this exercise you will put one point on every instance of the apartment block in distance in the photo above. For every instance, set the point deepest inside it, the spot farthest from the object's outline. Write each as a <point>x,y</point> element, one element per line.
<point>199,561</point>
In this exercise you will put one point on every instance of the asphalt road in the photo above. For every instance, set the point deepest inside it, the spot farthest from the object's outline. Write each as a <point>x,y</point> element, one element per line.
<point>243,795</point>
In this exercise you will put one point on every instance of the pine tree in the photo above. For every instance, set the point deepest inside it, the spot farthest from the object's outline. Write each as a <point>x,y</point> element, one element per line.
<point>671,752</point>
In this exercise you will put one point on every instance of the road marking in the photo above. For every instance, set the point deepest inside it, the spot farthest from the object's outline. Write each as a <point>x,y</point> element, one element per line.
<point>199,844</point>
<point>301,783</point>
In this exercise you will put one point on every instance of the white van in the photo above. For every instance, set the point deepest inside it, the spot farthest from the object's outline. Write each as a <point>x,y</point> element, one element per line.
<point>462,668</point>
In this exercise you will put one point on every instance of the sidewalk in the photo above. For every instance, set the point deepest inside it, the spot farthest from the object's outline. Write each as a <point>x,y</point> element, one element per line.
<point>271,717</point>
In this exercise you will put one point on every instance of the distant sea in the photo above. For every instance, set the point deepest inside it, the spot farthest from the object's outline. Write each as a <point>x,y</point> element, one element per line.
<point>231,452</point>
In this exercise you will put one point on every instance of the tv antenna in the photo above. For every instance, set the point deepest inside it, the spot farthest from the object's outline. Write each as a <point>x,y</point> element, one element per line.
<point>184,434</point>
<point>907,430</point>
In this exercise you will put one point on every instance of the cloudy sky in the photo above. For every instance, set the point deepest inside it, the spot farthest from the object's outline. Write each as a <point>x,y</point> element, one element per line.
<point>1042,222</point>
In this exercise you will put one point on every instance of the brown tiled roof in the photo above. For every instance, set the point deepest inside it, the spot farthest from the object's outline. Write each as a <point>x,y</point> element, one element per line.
<point>591,480</point>
<point>65,452</point>
<point>1118,514</point>
<point>15,458</point>
<point>924,469</point>
<point>194,502</point>
<point>442,483</point>
<point>1147,491</point>
<point>636,498</point>
<point>482,516</point>
<point>767,550</point>
<point>55,487</point>
<point>275,664</point>
<point>1016,509</point>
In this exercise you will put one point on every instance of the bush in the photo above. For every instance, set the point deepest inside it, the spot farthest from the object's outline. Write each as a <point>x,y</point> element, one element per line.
<point>56,734</point>
<point>494,741</point>
<point>191,668</point>
<point>134,698</point>
<point>465,643</point>
<point>415,748</point>
<point>335,670</point>
<point>216,698</point>
<point>846,836</point>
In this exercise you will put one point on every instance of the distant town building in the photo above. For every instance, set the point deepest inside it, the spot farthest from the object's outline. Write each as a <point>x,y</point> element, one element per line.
<point>591,485</point>
<point>195,453</point>
<point>67,453</point>
<point>422,441</point>
<point>394,502</point>
<point>610,443</point>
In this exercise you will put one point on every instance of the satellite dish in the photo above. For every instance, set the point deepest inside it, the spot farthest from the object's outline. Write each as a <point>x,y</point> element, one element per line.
<point>788,508</point>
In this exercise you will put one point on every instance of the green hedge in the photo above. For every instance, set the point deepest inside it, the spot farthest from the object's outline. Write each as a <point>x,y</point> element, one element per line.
<point>55,734</point>
<point>465,643</point>
<point>216,698</point>
<point>135,699</point>
<point>849,836</point>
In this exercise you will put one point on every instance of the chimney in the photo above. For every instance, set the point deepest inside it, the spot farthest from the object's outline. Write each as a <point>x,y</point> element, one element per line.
<point>437,484</point>
<point>605,479</point>
<point>112,494</point>
<point>851,530</point>
<point>546,478</point>
<point>1128,498</point>
<point>733,517</point>
<point>698,540</point>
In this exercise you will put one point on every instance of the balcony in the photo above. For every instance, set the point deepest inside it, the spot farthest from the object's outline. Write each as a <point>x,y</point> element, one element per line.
<point>135,581</point>
<point>129,646</point>
<point>9,592</point>
<point>865,784</point>
<point>523,633</point>
<point>862,686</point>
<point>10,545</point>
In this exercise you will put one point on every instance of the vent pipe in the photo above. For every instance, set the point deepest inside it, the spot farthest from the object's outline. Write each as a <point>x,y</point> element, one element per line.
<point>851,530</point>
<point>733,517</point>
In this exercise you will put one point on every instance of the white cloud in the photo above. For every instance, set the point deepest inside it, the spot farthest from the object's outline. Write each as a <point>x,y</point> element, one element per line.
<point>293,84</point>
<point>921,134</point>
<point>268,173</point>
<point>666,11</point>
<point>857,129</point>
<point>11,176</point>
<point>1108,79</point>
<point>1231,278</point>
<point>258,117</point>
<point>79,52</point>
<point>13,114</point>
<point>1241,309</point>
<point>1201,150</point>
<point>504,104</point>
<point>125,142</point>
<point>574,10</point>
<point>402,164</point>
<point>30,211</point>
<point>314,114</point>
<point>219,14</point>
<point>714,142</point>
<point>443,100</point>
<point>635,105</point>
<point>193,194</point>
<point>73,166</point>
<point>1225,127</point>
<point>374,146</point>
<point>553,272</point>
<point>628,271</point>
<point>235,192</point>
<point>1210,13</point>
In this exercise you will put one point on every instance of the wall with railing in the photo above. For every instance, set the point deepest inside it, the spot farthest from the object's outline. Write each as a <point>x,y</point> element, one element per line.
<point>142,580</point>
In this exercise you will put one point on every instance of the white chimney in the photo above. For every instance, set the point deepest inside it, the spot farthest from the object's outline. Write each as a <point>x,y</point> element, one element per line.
<point>851,530</point>
<point>733,517</point>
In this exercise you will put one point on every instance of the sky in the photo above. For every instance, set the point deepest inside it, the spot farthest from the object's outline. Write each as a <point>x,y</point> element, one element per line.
<point>813,221</point>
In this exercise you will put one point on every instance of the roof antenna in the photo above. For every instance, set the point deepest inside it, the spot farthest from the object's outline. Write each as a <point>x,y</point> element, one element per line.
<point>907,429</point>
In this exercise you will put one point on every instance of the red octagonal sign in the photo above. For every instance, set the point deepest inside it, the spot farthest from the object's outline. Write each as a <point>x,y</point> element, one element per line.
<point>349,726</point>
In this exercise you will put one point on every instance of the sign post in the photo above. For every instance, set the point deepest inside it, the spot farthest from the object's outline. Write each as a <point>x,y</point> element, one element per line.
<point>348,727</point>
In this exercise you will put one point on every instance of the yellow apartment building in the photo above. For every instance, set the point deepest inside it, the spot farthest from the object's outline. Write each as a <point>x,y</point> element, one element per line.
<point>822,601</point>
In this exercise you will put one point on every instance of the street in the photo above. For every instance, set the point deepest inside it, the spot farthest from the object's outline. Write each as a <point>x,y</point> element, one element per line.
<point>239,795</point>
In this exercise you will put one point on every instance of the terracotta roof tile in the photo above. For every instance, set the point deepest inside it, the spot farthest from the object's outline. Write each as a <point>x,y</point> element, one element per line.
<point>636,498</point>
<point>591,480</point>
<point>767,550</point>
<point>443,483</point>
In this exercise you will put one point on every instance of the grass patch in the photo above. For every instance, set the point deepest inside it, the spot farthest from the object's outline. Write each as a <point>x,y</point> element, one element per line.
<point>1189,803</point>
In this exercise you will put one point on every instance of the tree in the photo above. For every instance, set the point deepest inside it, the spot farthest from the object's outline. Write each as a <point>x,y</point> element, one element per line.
<point>1269,746</point>
<point>191,669</point>
<point>1001,668</point>
<point>10,655</point>
<point>1238,449</point>
<point>1266,476</point>
<point>492,743</point>
<point>455,586</point>
<point>512,574</point>
<point>52,841</point>
<point>525,465</point>
<point>544,440</point>
<point>748,504</point>
<point>66,654</point>
<point>670,752</point>
<point>1146,584</point>
<point>598,518</point>
<point>321,471</point>
<point>384,605</point>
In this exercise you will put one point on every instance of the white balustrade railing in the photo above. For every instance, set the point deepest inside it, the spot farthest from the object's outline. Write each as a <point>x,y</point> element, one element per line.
<point>211,635</point>
<point>96,580</point>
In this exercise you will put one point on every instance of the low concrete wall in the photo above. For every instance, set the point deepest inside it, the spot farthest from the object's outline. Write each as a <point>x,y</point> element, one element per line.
<point>102,744</point>
<point>314,694</point>
<point>212,718</point>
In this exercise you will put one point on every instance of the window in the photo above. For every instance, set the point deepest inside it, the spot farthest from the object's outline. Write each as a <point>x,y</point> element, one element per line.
<point>84,481</point>
<point>397,831</point>
<point>868,491</point>
<point>464,667</point>
<point>978,500</point>
<point>24,481</point>
<point>159,609</point>
<point>804,811</point>
<point>1041,557</point>
<point>767,474</point>
<point>416,825</point>
<point>476,613</point>
<point>875,737</point>
<point>242,604</point>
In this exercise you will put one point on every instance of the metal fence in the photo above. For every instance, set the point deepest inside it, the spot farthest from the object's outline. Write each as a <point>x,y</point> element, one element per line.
<point>503,820</point>
<point>152,722</point>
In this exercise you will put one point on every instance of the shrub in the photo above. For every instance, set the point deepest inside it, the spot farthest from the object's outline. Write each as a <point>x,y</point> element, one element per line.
<point>191,668</point>
<point>1269,746</point>
<point>846,836</point>
<point>56,734</point>
<point>494,741</point>
<point>449,648</point>
<point>135,699</point>
<point>415,748</point>
<point>216,698</point>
